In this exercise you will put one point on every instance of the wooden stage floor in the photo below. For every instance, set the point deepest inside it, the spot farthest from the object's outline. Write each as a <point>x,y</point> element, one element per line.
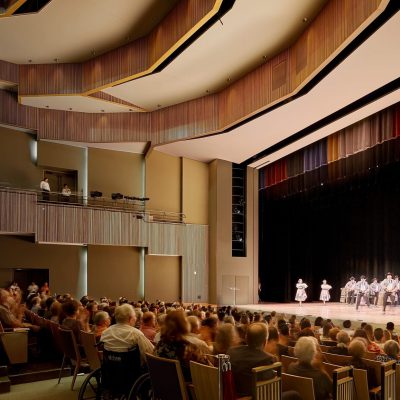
<point>337,312</point>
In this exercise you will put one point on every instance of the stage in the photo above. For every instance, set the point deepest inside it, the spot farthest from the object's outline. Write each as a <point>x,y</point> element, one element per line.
<point>337,312</point>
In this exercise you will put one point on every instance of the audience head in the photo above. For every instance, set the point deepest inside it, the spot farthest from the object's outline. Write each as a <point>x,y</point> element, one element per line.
<point>360,333</point>
<point>194,323</point>
<point>125,314</point>
<point>149,319</point>
<point>305,323</point>
<point>257,335</point>
<point>306,332</point>
<point>357,348</point>
<point>225,338</point>
<point>228,319</point>
<point>273,334</point>
<point>283,329</point>
<point>318,321</point>
<point>369,331</point>
<point>390,326</point>
<point>378,334</point>
<point>333,333</point>
<point>392,348</point>
<point>343,337</point>
<point>347,324</point>
<point>102,319</point>
<point>175,326</point>
<point>305,349</point>
<point>326,328</point>
<point>70,308</point>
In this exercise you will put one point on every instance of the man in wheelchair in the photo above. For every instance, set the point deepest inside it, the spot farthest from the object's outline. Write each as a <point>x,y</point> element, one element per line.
<point>124,349</point>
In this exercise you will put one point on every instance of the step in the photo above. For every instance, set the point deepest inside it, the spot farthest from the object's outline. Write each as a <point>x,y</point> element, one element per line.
<point>3,370</point>
<point>40,375</point>
<point>5,384</point>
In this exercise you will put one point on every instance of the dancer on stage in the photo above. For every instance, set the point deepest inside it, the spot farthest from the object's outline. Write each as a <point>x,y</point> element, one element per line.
<point>325,288</point>
<point>374,289</point>
<point>301,294</point>
<point>362,290</point>
<point>349,288</point>
<point>389,286</point>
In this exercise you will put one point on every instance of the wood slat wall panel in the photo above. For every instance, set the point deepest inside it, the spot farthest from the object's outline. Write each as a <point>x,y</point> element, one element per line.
<point>61,224</point>
<point>165,239</point>
<point>50,79</point>
<point>17,212</point>
<point>9,72</point>
<point>195,259</point>
<point>116,228</point>
<point>209,114</point>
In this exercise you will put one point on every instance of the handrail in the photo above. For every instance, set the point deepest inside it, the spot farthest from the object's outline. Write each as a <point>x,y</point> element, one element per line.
<point>136,206</point>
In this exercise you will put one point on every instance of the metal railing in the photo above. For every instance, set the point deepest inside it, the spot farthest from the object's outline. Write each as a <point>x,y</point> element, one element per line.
<point>136,206</point>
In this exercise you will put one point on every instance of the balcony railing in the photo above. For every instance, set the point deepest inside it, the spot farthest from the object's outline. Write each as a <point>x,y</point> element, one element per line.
<point>127,203</point>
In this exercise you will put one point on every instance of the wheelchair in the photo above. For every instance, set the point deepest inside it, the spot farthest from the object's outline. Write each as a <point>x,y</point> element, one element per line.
<point>119,377</point>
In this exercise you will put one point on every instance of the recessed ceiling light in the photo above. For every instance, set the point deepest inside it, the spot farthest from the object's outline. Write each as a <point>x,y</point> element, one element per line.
<point>93,52</point>
<point>47,106</point>
<point>207,91</point>
<point>29,61</point>
<point>70,109</point>
<point>264,58</point>
<point>228,80</point>
<point>130,109</point>
<point>56,60</point>
<point>305,19</point>
<point>158,105</point>
<point>102,110</point>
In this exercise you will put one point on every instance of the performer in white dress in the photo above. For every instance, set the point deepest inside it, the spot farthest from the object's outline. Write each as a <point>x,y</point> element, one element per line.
<point>362,290</point>
<point>301,294</point>
<point>325,288</point>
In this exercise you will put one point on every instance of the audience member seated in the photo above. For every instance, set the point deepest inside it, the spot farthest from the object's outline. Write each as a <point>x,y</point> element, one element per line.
<point>273,345</point>
<point>208,330</point>
<point>193,335</point>
<point>123,336</point>
<point>75,319</point>
<point>347,328</point>
<point>310,366</point>
<point>244,358</point>
<point>318,325</point>
<point>325,331</point>
<point>36,305</point>
<point>343,340</point>
<point>333,333</point>
<point>10,319</point>
<point>393,333</point>
<point>148,326</point>
<point>225,338</point>
<point>357,350</point>
<point>379,338</point>
<point>91,307</point>
<point>371,346</point>
<point>392,349</point>
<point>174,345</point>
<point>55,311</point>
<point>101,322</point>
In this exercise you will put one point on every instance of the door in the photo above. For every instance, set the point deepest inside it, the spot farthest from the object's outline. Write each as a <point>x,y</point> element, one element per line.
<point>242,289</point>
<point>24,276</point>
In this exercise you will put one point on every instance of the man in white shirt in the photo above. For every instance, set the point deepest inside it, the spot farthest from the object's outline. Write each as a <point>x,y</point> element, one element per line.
<point>45,188</point>
<point>362,290</point>
<point>350,287</point>
<point>66,192</point>
<point>122,336</point>
<point>375,288</point>
<point>389,286</point>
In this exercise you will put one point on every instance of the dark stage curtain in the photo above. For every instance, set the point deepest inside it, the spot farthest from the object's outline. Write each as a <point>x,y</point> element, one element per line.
<point>339,220</point>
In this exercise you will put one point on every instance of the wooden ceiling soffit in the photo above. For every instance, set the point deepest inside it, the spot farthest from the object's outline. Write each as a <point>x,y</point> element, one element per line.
<point>11,7</point>
<point>131,61</point>
<point>9,72</point>
<point>340,22</point>
<point>115,100</point>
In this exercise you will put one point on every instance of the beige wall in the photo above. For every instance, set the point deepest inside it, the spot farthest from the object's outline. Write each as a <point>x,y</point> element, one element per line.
<point>227,271</point>
<point>17,162</point>
<point>63,157</point>
<point>162,278</point>
<point>195,186</point>
<point>163,182</point>
<point>113,271</point>
<point>63,262</point>
<point>115,172</point>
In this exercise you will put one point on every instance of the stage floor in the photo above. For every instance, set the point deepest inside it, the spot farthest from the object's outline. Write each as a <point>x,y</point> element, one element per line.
<point>337,312</point>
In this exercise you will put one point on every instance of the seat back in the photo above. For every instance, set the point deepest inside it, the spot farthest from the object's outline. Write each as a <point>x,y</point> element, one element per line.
<point>15,345</point>
<point>388,380</point>
<point>324,348</point>
<point>270,389</point>
<point>360,384</point>
<point>166,378</point>
<point>397,381</point>
<point>56,336</point>
<point>329,343</point>
<point>88,341</point>
<point>377,367</point>
<point>68,344</point>
<point>337,359</point>
<point>343,383</point>
<point>291,351</point>
<point>119,370</point>
<point>330,368</point>
<point>304,386</point>
<point>286,361</point>
<point>205,380</point>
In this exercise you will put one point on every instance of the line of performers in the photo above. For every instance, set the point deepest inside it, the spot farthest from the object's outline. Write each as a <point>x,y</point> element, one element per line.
<point>355,291</point>
<point>390,287</point>
<point>301,294</point>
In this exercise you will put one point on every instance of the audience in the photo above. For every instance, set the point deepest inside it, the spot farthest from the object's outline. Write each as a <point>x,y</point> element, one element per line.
<point>357,350</point>
<point>343,340</point>
<point>309,366</point>
<point>391,349</point>
<point>148,326</point>
<point>101,322</point>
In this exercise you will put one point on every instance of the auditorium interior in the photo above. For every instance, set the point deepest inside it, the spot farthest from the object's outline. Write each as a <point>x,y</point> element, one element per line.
<point>216,151</point>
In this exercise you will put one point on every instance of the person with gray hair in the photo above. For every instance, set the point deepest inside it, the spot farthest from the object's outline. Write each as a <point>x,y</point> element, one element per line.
<point>308,366</point>
<point>343,340</point>
<point>123,336</point>
<point>392,349</point>
<point>101,321</point>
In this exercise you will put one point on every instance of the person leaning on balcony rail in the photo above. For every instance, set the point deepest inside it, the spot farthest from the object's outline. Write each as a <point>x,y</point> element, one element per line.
<point>65,193</point>
<point>45,188</point>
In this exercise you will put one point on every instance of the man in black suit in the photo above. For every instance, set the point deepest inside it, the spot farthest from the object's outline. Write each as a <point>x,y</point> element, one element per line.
<point>244,358</point>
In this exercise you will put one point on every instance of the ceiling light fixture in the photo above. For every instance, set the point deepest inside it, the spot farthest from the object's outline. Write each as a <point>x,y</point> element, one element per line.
<point>70,109</point>
<point>56,60</point>
<point>305,19</point>
<point>130,109</point>
<point>158,105</point>
<point>102,110</point>
<point>29,61</point>
<point>47,106</point>
<point>228,80</point>
<point>93,52</point>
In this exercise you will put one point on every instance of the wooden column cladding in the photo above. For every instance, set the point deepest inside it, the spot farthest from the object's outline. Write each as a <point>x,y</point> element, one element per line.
<point>17,212</point>
<point>338,23</point>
